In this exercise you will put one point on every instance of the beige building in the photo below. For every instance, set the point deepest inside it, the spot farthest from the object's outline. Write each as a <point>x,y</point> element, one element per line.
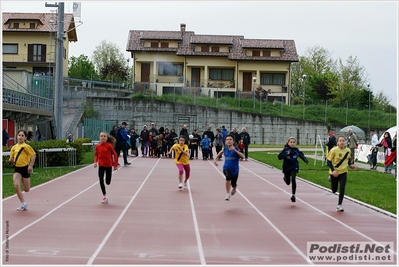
<point>177,61</point>
<point>29,41</point>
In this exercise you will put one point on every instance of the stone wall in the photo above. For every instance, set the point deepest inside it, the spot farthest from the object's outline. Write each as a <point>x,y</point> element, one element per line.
<point>263,129</point>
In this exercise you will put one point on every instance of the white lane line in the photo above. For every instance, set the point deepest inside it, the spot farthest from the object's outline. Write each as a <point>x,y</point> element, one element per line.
<point>53,180</point>
<point>320,211</point>
<point>197,232</point>
<point>47,214</point>
<point>269,222</point>
<point>102,244</point>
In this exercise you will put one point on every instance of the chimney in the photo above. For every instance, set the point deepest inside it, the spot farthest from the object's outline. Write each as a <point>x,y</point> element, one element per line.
<point>182,27</point>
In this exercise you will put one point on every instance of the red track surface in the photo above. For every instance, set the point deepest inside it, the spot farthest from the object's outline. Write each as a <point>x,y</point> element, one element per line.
<point>150,221</point>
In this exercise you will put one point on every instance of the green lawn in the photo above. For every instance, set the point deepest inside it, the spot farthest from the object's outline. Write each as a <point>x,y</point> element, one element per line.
<point>42,175</point>
<point>372,187</point>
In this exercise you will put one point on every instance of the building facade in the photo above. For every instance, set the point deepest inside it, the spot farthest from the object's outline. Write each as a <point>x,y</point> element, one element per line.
<point>213,65</point>
<point>29,41</point>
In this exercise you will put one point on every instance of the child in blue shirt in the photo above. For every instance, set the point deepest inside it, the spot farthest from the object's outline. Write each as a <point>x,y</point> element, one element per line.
<point>232,156</point>
<point>205,142</point>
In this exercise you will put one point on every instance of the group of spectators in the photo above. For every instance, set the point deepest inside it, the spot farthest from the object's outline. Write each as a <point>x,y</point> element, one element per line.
<point>156,143</point>
<point>352,142</point>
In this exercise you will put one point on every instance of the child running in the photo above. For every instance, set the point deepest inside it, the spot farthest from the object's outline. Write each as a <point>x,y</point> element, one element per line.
<point>290,154</point>
<point>338,170</point>
<point>106,157</point>
<point>182,156</point>
<point>230,167</point>
<point>23,157</point>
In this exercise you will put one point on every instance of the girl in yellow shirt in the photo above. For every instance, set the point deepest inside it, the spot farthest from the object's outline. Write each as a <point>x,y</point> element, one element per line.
<point>338,159</point>
<point>23,156</point>
<point>182,157</point>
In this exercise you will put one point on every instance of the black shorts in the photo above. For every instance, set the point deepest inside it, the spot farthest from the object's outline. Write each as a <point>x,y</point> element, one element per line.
<point>231,177</point>
<point>23,171</point>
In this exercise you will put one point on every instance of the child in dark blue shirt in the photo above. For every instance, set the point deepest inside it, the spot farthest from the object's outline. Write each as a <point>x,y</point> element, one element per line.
<point>290,154</point>
<point>232,156</point>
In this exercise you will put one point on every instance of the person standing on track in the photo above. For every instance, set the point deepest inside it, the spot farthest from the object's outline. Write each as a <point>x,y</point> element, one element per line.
<point>106,158</point>
<point>290,155</point>
<point>182,159</point>
<point>338,170</point>
<point>23,157</point>
<point>231,169</point>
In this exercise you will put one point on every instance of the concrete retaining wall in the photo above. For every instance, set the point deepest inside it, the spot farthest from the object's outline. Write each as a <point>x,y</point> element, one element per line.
<point>263,129</point>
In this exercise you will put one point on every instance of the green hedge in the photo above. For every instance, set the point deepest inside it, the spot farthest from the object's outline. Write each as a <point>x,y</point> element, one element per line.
<point>57,158</point>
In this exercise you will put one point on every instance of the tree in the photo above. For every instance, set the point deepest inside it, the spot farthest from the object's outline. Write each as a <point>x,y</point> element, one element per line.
<point>321,73</point>
<point>114,72</point>
<point>110,62</point>
<point>81,68</point>
<point>353,73</point>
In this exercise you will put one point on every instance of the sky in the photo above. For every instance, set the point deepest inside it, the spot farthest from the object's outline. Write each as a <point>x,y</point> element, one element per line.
<point>367,30</point>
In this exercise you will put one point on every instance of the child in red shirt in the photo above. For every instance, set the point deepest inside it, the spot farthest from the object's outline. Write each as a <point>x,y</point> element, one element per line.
<point>106,158</point>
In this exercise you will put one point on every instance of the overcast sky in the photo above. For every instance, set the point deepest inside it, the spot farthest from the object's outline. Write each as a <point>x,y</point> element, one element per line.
<point>363,29</point>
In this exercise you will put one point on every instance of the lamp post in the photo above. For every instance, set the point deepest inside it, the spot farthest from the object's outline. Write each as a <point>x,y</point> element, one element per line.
<point>304,92</point>
<point>253,89</point>
<point>368,87</point>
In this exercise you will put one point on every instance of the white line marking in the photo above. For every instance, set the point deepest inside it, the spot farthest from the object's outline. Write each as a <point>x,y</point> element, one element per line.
<point>197,233</point>
<point>47,214</point>
<point>102,244</point>
<point>270,223</point>
<point>320,211</point>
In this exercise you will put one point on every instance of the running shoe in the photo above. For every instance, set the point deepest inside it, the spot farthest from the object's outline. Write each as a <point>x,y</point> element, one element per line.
<point>227,197</point>
<point>180,185</point>
<point>23,206</point>
<point>293,198</point>
<point>233,191</point>
<point>185,186</point>
<point>340,208</point>
<point>105,200</point>
<point>127,163</point>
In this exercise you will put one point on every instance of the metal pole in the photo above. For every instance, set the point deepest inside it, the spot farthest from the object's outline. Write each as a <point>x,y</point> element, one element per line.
<point>368,86</point>
<point>304,93</point>
<point>58,91</point>
<point>260,103</point>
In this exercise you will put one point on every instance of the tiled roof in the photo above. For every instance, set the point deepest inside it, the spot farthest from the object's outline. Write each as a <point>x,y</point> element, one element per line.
<point>211,39</point>
<point>47,22</point>
<point>262,43</point>
<point>237,45</point>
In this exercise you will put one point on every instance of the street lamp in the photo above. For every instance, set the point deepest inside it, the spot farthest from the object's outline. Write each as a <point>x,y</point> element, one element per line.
<point>368,87</point>
<point>304,91</point>
<point>253,89</point>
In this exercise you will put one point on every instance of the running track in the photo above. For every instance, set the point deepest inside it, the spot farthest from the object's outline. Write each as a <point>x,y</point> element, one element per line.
<point>150,221</point>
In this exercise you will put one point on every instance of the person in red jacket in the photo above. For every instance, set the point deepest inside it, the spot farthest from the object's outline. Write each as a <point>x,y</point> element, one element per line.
<point>105,157</point>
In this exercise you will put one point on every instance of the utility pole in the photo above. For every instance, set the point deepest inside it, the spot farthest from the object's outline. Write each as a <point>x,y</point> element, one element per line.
<point>59,56</point>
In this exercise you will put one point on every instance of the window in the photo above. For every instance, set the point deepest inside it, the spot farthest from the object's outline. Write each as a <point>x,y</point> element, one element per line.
<point>170,69</point>
<point>266,53</point>
<point>32,26</point>
<point>256,53</point>
<point>204,48</point>
<point>215,48</point>
<point>16,25</point>
<point>10,48</point>
<point>164,45</point>
<point>154,44</point>
<point>272,78</point>
<point>37,52</point>
<point>221,74</point>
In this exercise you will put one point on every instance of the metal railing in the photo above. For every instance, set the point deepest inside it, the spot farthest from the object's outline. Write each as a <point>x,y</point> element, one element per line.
<point>75,121</point>
<point>26,100</point>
